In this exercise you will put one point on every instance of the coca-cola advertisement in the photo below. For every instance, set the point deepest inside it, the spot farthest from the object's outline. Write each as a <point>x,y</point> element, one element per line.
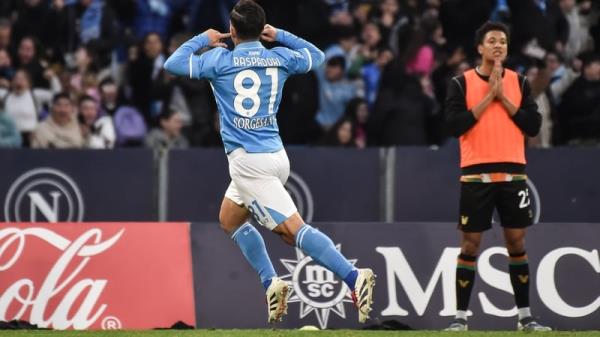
<point>96,275</point>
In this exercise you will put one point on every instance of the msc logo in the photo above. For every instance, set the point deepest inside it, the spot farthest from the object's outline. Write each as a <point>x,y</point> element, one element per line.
<point>43,195</point>
<point>316,288</point>
<point>300,193</point>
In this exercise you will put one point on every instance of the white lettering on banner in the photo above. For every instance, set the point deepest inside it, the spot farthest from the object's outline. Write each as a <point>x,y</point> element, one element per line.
<point>546,285</point>
<point>495,278</point>
<point>397,267</point>
<point>37,201</point>
<point>23,291</point>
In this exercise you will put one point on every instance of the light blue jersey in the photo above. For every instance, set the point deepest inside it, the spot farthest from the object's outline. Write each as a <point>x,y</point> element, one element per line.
<point>247,83</point>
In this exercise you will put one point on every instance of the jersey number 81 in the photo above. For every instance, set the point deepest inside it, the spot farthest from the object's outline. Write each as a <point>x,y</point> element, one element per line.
<point>251,93</point>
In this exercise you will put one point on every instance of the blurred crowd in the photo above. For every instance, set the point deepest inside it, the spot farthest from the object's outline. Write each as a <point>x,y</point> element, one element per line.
<point>88,73</point>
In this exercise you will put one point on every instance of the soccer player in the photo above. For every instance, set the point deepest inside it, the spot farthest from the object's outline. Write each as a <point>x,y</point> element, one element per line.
<point>490,108</point>
<point>247,82</point>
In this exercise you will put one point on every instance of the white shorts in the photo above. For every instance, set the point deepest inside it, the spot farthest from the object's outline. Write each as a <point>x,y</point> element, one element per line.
<point>257,181</point>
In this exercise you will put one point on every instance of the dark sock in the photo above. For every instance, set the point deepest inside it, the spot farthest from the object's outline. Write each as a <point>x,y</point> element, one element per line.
<point>518,268</point>
<point>465,277</point>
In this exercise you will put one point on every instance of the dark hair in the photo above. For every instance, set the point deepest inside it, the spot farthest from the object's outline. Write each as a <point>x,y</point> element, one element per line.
<point>488,27</point>
<point>107,80</point>
<point>331,137</point>
<point>248,19</point>
<point>26,73</point>
<point>60,96</point>
<point>85,98</point>
<point>337,61</point>
<point>352,108</point>
<point>167,113</point>
<point>37,47</point>
<point>589,58</point>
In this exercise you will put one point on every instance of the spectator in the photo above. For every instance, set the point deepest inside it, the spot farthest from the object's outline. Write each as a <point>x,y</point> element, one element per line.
<point>579,39</point>
<point>83,80</point>
<point>561,76</point>
<point>193,98</point>
<point>334,92</point>
<point>27,58</point>
<point>9,134</point>
<point>538,82</point>
<point>358,112</point>
<point>31,20</point>
<point>24,104</point>
<point>5,35</point>
<point>579,110</point>
<point>402,112</point>
<point>6,69</point>
<point>213,137</point>
<point>371,73</point>
<point>460,18</point>
<point>386,15</point>
<point>98,131</point>
<point>168,135</point>
<point>348,47</point>
<point>153,16</point>
<point>299,105</point>
<point>146,78</point>
<point>84,22</point>
<point>110,97</point>
<point>60,130</point>
<point>341,134</point>
<point>372,42</point>
<point>538,26</point>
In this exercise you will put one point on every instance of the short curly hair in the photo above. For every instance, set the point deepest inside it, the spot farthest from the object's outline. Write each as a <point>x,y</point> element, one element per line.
<point>488,27</point>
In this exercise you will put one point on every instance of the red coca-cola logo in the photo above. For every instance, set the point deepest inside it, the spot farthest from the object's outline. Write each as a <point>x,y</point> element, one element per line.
<point>96,275</point>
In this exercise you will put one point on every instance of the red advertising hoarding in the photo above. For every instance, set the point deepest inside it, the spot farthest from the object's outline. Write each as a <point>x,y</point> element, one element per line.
<point>96,275</point>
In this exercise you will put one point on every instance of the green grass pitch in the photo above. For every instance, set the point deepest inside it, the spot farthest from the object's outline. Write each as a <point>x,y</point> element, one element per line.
<point>286,333</point>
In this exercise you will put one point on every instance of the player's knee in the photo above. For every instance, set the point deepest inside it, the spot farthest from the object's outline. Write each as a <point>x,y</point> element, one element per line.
<point>289,239</point>
<point>226,224</point>
<point>226,228</point>
<point>286,235</point>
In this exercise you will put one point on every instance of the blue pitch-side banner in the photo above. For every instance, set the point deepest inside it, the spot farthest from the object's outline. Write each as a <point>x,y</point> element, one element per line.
<point>65,186</point>
<point>564,184</point>
<point>326,184</point>
<point>415,264</point>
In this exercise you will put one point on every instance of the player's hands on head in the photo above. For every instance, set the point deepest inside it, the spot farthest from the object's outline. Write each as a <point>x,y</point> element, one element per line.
<point>269,33</point>
<point>215,38</point>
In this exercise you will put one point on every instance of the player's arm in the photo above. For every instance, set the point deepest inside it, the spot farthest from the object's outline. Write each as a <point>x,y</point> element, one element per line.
<point>458,118</point>
<point>183,62</point>
<point>313,56</point>
<point>527,117</point>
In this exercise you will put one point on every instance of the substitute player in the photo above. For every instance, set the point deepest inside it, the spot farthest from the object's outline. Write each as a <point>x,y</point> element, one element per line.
<point>490,108</point>
<point>247,82</point>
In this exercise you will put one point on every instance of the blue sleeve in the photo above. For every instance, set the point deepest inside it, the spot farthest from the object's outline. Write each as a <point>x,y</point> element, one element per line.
<point>304,56</point>
<point>183,62</point>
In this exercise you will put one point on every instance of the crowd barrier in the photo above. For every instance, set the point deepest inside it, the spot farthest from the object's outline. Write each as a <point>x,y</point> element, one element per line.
<point>396,184</point>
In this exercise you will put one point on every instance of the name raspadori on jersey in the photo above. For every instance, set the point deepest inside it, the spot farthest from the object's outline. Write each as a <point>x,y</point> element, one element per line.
<point>256,62</point>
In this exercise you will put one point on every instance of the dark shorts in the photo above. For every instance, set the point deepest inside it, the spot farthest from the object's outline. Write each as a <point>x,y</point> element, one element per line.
<point>478,201</point>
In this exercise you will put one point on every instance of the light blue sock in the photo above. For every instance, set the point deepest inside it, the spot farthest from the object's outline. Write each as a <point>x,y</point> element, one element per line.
<point>320,247</point>
<point>253,247</point>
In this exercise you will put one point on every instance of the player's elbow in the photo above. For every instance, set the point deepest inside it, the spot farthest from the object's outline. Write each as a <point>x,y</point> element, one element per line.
<point>169,65</point>
<point>318,58</point>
